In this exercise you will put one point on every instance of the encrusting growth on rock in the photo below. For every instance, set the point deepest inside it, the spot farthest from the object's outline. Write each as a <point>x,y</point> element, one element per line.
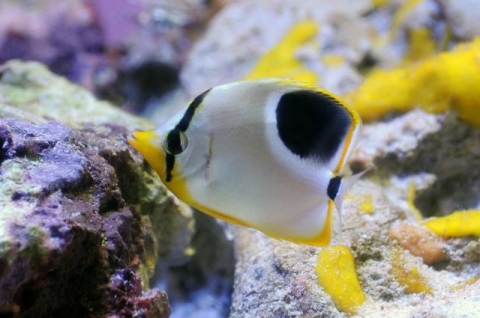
<point>337,276</point>
<point>457,224</point>
<point>408,276</point>
<point>282,62</point>
<point>419,241</point>
<point>446,81</point>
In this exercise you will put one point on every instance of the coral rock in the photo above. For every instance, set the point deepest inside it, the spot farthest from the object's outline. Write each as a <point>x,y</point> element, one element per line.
<point>82,221</point>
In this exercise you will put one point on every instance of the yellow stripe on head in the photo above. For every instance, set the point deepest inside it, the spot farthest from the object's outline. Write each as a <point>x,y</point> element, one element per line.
<point>149,145</point>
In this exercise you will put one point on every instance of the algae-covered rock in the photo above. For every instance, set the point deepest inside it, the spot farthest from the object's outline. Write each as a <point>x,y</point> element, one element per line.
<point>31,88</point>
<point>82,220</point>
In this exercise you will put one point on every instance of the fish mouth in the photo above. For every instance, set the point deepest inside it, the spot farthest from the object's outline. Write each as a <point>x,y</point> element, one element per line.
<point>139,137</point>
<point>148,144</point>
<point>131,137</point>
<point>137,134</point>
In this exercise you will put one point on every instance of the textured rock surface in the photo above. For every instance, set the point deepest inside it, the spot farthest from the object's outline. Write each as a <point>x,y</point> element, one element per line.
<point>31,88</point>
<point>276,279</point>
<point>202,287</point>
<point>462,17</point>
<point>423,144</point>
<point>78,210</point>
<point>65,226</point>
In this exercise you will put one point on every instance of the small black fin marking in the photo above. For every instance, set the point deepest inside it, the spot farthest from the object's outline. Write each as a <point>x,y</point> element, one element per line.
<point>333,187</point>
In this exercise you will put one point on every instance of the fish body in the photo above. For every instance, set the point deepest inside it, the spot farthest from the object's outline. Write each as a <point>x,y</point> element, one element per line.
<point>266,154</point>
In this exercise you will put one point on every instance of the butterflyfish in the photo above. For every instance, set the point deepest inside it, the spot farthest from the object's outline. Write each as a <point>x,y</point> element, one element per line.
<point>266,154</point>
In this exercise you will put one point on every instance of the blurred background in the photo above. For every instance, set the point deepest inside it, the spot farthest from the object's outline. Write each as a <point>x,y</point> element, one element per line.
<point>144,54</point>
<point>129,52</point>
<point>150,57</point>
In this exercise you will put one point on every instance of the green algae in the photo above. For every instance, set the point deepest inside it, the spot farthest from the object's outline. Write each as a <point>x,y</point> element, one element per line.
<point>31,87</point>
<point>35,249</point>
<point>13,180</point>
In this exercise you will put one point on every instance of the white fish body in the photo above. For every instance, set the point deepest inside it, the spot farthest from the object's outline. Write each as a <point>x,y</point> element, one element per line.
<point>260,153</point>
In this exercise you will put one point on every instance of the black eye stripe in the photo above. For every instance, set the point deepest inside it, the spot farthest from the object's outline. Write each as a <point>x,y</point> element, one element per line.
<point>188,116</point>
<point>170,163</point>
<point>174,143</point>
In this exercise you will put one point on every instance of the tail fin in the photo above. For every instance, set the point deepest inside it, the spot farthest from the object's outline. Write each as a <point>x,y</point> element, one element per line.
<point>345,185</point>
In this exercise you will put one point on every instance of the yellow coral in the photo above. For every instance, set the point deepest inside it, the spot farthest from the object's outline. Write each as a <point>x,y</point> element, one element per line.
<point>421,45</point>
<point>449,80</point>
<point>470,281</point>
<point>412,190</point>
<point>333,60</point>
<point>281,61</point>
<point>457,224</point>
<point>402,13</point>
<point>410,278</point>
<point>367,205</point>
<point>336,274</point>
<point>379,3</point>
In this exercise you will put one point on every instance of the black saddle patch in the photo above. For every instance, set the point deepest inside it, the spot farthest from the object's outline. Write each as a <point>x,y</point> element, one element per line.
<point>312,124</point>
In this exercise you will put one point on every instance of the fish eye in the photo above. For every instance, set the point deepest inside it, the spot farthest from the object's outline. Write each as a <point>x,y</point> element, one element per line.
<point>175,142</point>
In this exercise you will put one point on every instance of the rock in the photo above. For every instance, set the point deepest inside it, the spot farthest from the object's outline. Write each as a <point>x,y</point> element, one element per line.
<point>276,279</point>
<point>447,149</point>
<point>123,285</point>
<point>64,222</point>
<point>203,286</point>
<point>78,210</point>
<point>37,93</point>
<point>462,17</point>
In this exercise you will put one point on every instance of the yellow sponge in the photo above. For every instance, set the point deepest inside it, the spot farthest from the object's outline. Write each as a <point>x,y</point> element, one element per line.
<point>457,224</point>
<point>281,61</point>
<point>449,80</point>
<point>336,274</point>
